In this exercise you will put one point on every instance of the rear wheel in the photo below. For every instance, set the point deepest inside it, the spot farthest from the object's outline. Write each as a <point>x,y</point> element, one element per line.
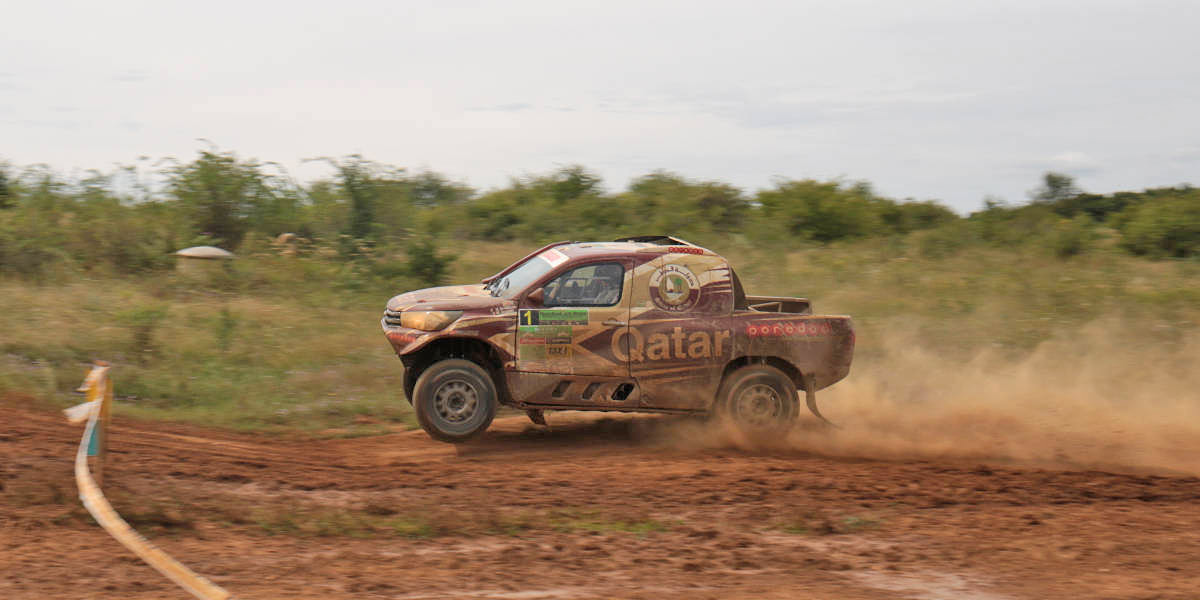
<point>455,400</point>
<point>759,399</point>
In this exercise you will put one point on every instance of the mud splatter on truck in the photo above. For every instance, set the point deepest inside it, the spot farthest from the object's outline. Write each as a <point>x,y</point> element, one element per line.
<point>648,324</point>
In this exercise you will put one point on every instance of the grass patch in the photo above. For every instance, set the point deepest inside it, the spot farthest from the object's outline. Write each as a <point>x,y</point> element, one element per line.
<point>286,347</point>
<point>330,370</point>
<point>593,521</point>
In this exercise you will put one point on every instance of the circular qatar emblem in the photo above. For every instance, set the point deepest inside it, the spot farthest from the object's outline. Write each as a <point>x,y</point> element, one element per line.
<point>674,288</point>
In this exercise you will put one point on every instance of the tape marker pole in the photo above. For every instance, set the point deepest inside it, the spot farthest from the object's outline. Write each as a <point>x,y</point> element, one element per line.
<point>105,421</point>
<point>96,504</point>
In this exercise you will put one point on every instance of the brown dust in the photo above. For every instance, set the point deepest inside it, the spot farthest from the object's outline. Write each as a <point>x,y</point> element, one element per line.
<point>1104,397</point>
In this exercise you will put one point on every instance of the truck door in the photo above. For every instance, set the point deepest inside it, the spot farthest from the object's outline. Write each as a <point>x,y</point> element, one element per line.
<point>583,314</point>
<point>680,337</point>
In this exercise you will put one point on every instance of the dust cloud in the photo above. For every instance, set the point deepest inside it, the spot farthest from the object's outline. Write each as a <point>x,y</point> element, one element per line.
<point>1105,397</point>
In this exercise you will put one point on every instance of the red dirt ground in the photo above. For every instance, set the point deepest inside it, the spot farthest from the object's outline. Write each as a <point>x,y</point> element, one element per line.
<point>602,507</point>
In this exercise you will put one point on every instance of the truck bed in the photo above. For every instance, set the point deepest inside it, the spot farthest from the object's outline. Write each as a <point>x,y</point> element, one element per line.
<point>821,346</point>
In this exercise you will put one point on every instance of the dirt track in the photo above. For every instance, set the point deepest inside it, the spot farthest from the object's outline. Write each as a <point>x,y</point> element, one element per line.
<point>592,508</point>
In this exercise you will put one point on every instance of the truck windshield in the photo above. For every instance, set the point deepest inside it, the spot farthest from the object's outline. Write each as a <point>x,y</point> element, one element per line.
<point>521,277</point>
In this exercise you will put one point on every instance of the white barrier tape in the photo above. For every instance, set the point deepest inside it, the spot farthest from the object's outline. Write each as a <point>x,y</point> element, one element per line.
<point>96,504</point>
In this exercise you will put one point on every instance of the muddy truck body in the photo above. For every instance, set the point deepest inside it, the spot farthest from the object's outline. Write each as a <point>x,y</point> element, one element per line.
<point>647,324</point>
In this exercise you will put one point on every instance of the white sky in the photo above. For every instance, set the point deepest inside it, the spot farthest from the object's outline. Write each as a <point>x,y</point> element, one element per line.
<point>949,100</point>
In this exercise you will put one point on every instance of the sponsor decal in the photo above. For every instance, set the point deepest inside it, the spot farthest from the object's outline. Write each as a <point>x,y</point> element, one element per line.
<point>533,353</point>
<point>547,334</point>
<point>543,352</point>
<point>779,329</point>
<point>674,288</point>
<point>545,342</point>
<point>676,345</point>
<point>554,257</point>
<point>553,316</point>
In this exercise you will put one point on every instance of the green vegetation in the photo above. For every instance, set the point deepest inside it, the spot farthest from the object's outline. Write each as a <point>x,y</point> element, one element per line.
<point>595,521</point>
<point>378,215</point>
<point>288,339</point>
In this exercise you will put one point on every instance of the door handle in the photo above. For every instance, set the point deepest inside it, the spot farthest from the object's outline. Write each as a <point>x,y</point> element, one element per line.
<point>613,323</point>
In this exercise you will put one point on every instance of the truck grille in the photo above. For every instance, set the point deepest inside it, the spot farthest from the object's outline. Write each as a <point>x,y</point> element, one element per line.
<point>391,317</point>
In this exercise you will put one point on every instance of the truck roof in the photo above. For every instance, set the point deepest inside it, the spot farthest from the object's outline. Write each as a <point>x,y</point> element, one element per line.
<point>584,249</point>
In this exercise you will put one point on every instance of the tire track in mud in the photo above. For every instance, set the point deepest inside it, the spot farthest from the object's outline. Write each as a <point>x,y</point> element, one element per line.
<point>767,523</point>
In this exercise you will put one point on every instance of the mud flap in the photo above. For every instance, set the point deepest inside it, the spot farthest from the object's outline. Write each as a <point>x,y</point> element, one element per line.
<point>810,398</point>
<point>536,415</point>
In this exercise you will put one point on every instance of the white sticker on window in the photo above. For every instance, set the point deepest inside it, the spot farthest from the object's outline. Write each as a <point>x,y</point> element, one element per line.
<point>554,257</point>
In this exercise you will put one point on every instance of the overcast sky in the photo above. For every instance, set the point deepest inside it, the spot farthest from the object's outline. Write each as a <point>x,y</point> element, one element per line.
<point>950,100</point>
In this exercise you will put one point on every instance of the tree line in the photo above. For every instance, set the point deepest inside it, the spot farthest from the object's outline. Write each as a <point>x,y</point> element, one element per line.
<point>367,211</point>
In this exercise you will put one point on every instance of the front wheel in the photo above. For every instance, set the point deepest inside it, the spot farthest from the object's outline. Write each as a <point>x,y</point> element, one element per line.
<point>455,400</point>
<point>759,399</point>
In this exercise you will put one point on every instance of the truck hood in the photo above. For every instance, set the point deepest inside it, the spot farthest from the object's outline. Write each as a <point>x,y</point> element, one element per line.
<point>450,297</point>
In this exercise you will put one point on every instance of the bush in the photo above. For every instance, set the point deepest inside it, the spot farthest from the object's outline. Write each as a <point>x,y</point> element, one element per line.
<point>5,197</point>
<point>947,240</point>
<point>224,197</point>
<point>821,211</point>
<point>1165,227</point>
<point>665,203</point>
<point>425,264</point>
<point>26,256</point>
<point>905,217</point>
<point>1072,237</point>
<point>1004,225</point>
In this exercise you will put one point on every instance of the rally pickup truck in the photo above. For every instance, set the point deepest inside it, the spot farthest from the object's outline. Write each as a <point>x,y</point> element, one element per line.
<point>642,324</point>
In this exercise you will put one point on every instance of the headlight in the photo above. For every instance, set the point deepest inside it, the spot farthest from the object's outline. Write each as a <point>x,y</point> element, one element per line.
<point>428,320</point>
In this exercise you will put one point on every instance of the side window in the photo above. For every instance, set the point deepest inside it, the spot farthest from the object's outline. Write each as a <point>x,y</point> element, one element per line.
<point>597,284</point>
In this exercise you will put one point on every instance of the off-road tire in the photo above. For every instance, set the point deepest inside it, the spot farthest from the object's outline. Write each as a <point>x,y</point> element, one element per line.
<point>760,400</point>
<point>455,400</point>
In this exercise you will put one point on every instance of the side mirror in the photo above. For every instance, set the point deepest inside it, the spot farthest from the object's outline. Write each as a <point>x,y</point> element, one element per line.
<point>536,297</point>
